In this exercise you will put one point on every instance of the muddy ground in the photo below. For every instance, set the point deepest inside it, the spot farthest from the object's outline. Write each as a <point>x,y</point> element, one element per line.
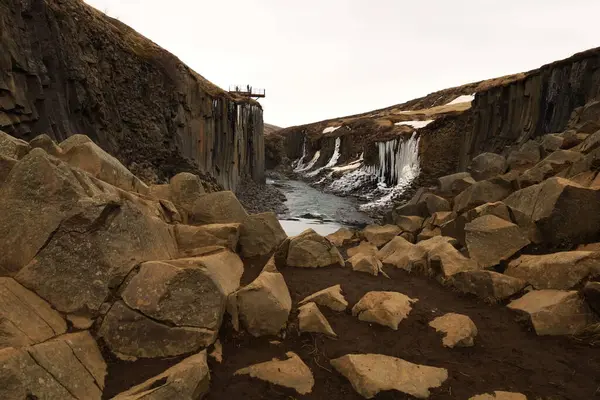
<point>507,355</point>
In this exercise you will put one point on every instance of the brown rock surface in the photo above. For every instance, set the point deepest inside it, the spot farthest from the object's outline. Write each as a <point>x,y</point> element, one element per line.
<point>311,250</point>
<point>331,297</point>
<point>488,285</point>
<point>261,234</point>
<point>217,208</point>
<point>310,319</point>
<point>362,248</point>
<point>380,235</point>
<point>459,330</point>
<point>192,240</point>
<point>487,165</point>
<point>341,237</point>
<point>383,308</point>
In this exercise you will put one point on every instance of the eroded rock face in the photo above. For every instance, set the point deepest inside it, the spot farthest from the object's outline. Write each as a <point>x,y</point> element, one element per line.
<point>561,271</point>
<point>487,165</point>
<point>380,235</point>
<point>554,312</point>
<point>311,250</point>
<point>189,379</point>
<point>217,208</point>
<point>491,240</point>
<point>331,297</point>
<point>67,367</point>
<point>262,307</point>
<point>370,374</point>
<point>291,373</point>
<point>310,319</point>
<point>261,234</point>
<point>488,285</point>
<point>384,308</point>
<point>25,319</point>
<point>459,330</point>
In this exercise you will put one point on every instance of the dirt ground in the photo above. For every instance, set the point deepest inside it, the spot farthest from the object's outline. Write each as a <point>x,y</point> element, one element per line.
<point>507,355</point>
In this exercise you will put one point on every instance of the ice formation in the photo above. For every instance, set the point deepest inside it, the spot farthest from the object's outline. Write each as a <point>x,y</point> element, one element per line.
<point>332,161</point>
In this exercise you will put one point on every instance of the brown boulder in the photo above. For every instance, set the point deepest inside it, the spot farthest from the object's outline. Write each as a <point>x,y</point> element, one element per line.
<point>193,240</point>
<point>525,156</point>
<point>451,185</point>
<point>260,235</point>
<point>552,142</point>
<point>341,237</point>
<point>562,271</point>
<point>183,190</point>
<point>411,223</point>
<point>487,285</point>
<point>487,165</point>
<point>12,147</point>
<point>363,248</point>
<point>380,235</point>
<point>218,208</point>
<point>331,297</point>
<point>311,250</point>
<point>368,263</point>
<point>310,319</point>
<point>549,166</point>
<point>46,143</point>
<point>189,379</point>
<point>491,240</point>
<point>459,330</point>
<point>383,308</point>
<point>480,193</point>
<point>6,165</point>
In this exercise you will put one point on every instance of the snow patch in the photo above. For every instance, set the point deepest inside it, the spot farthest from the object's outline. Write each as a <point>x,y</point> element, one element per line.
<point>331,129</point>
<point>415,124</point>
<point>463,99</point>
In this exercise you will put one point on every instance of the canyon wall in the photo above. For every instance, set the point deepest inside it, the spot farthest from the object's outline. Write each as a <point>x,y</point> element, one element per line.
<point>66,68</point>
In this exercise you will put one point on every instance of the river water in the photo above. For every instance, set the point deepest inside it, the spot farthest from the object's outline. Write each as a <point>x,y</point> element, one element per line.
<point>311,208</point>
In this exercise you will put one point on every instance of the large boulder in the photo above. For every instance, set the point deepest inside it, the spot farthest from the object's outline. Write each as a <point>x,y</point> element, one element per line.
<point>491,240</point>
<point>46,143</point>
<point>25,319</point>
<point>562,271</point>
<point>552,142</point>
<point>68,367</point>
<point>525,156</point>
<point>591,143</point>
<point>341,237</point>
<point>380,235</point>
<point>482,192</point>
<point>549,166</point>
<point>370,374</point>
<point>401,253</point>
<point>331,297</point>
<point>262,307</point>
<point>456,227</point>
<point>554,312</point>
<point>368,263</point>
<point>79,151</point>
<point>487,285</point>
<point>291,373</point>
<point>189,292</point>
<point>218,208</point>
<point>12,147</point>
<point>193,240</point>
<point>561,210</point>
<point>183,190</point>
<point>188,379</point>
<point>411,223</point>
<point>310,319</point>
<point>311,250</point>
<point>459,330</point>
<point>422,204</point>
<point>487,165</point>
<point>93,251</point>
<point>362,248</point>
<point>451,185</point>
<point>6,165</point>
<point>383,308</point>
<point>260,235</point>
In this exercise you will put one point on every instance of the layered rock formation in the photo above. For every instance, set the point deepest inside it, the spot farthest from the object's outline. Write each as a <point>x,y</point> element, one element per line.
<point>66,68</point>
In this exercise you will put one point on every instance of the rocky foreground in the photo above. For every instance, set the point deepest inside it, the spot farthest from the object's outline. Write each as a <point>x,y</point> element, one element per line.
<point>481,288</point>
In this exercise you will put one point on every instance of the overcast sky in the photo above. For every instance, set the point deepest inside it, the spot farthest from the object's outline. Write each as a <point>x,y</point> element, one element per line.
<point>320,59</point>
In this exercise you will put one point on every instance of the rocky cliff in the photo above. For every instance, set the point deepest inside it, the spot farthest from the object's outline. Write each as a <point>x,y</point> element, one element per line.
<point>66,68</point>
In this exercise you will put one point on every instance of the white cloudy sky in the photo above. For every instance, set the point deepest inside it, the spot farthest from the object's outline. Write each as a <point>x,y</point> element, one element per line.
<point>321,59</point>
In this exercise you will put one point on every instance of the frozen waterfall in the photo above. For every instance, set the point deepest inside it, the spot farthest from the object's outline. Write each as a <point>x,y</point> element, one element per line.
<point>334,159</point>
<point>299,163</point>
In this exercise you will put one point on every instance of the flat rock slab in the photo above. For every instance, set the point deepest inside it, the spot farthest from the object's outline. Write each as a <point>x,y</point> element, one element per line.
<point>189,379</point>
<point>459,330</point>
<point>380,235</point>
<point>311,250</point>
<point>384,308</point>
<point>370,374</point>
<point>310,319</point>
<point>331,297</point>
<point>292,373</point>
<point>561,271</point>
<point>555,312</point>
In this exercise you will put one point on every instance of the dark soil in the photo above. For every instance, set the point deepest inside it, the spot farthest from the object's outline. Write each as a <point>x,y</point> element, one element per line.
<point>507,354</point>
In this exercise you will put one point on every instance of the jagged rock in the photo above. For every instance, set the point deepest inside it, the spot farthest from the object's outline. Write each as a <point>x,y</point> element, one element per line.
<point>189,292</point>
<point>46,143</point>
<point>411,223</point>
<point>380,235</point>
<point>561,210</point>
<point>331,297</point>
<point>554,312</point>
<point>310,319</point>
<point>456,228</point>
<point>487,165</point>
<point>363,248</point>
<point>370,374</point>
<point>262,307</point>
<point>341,237</point>
<point>192,240</point>
<point>549,166</point>
<point>480,193</point>
<point>261,234</point>
<point>384,308</point>
<point>443,258</point>
<point>488,285</point>
<point>184,190</point>
<point>459,330</point>
<point>591,292</point>
<point>497,395</point>
<point>25,319</point>
<point>368,263</point>
<point>311,250</point>
<point>491,240</point>
<point>218,208</point>
<point>68,367</point>
<point>527,155</point>
<point>402,254</point>
<point>217,352</point>
<point>12,147</point>
<point>291,373</point>
<point>451,185</point>
<point>104,242</point>
<point>79,151</point>
<point>130,335</point>
<point>561,271</point>
<point>189,379</point>
<point>552,142</point>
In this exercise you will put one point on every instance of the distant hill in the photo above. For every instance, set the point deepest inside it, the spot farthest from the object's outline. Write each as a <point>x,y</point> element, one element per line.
<point>271,128</point>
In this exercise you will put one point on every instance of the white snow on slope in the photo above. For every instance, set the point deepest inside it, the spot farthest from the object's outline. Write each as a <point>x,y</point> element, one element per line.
<point>415,124</point>
<point>463,99</point>
<point>331,129</point>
